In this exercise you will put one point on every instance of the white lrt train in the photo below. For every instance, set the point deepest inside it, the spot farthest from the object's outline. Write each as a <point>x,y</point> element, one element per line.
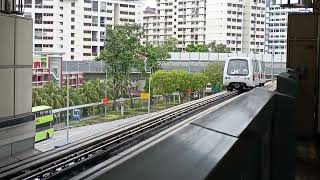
<point>243,73</point>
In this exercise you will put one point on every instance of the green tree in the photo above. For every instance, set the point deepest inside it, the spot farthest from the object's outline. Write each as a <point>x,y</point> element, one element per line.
<point>218,48</point>
<point>154,56</point>
<point>191,48</point>
<point>168,82</point>
<point>221,48</point>
<point>171,45</point>
<point>51,95</point>
<point>202,48</point>
<point>214,72</point>
<point>121,54</point>
<point>197,48</point>
<point>211,46</point>
<point>164,83</point>
<point>198,82</point>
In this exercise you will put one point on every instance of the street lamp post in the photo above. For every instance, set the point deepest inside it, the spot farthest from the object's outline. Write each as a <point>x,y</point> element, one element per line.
<point>106,90</point>
<point>149,87</point>
<point>68,96</point>
<point>149,99</point>
<point>67,102</point>
<point>272,66</point>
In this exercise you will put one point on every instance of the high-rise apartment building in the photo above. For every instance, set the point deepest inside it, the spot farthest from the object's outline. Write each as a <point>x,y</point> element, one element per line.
<point>276,28</point>
<point>183,20</point>
<point>76,29</point>
<point>239,24</point>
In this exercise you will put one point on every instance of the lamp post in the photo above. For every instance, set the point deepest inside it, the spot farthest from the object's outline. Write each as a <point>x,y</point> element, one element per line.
<point>149,99</point>
<point>67,102</point>
<point>68,95</point>
<point>272,66</point>
<point>149,81</point>
<point>106,90</point>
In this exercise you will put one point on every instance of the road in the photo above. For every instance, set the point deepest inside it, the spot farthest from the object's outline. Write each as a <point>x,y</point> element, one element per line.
<point>78,133</point>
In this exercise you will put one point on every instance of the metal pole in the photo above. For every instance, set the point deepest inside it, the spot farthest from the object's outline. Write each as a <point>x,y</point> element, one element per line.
<point>67,102</point>
<point>272,66</point>
<point>189,63</point>
<point>106,90</point>
<point>149,99</point>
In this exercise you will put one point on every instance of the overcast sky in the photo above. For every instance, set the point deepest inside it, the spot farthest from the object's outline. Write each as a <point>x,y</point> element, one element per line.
<point>150,3</point>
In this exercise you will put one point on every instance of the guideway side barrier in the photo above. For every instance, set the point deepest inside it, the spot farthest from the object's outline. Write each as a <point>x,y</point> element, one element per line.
<point>252,137</point>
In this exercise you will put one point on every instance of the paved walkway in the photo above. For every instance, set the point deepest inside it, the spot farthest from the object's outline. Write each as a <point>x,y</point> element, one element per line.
<point>78,133</point>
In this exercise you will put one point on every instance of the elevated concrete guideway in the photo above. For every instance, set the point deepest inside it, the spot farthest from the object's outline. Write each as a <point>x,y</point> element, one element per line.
<point>79,133</point>
<point>238,132</point>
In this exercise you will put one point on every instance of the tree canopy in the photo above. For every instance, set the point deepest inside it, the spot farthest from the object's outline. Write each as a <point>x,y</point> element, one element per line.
<point>211,47</point>
<point>124,52</point>
<point>167,82</point>
<point>51,95</point>
<point>218,48</point>
<point>154,56</point>
<point>171,45</point>
<point>121,55</point>
<point>197,48</point>
<point>214,72</point>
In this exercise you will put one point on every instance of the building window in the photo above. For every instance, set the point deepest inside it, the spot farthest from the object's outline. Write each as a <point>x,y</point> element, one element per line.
<point>72,26</point>
<point>72,34</point>
<point>72,11</point>
<point>95,6</point>
<point>48,45</point>
<point>38,47</point>
<point>72,20</point>
<point>72,4</point>
<point>72,49</point>
<point>72,57</point>
<point>95,21</point>
<point>38,18</point>
<point>72,41</point>
<point>103,6</point>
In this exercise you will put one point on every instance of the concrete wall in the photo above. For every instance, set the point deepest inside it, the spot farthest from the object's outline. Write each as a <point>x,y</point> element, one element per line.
<point>16,122</point>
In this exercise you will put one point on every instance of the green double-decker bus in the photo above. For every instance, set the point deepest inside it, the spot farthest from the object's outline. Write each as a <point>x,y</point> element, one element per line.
<point>44,122</point>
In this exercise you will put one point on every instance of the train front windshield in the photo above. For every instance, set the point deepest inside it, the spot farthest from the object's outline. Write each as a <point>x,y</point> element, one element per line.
<point>238,67</point>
